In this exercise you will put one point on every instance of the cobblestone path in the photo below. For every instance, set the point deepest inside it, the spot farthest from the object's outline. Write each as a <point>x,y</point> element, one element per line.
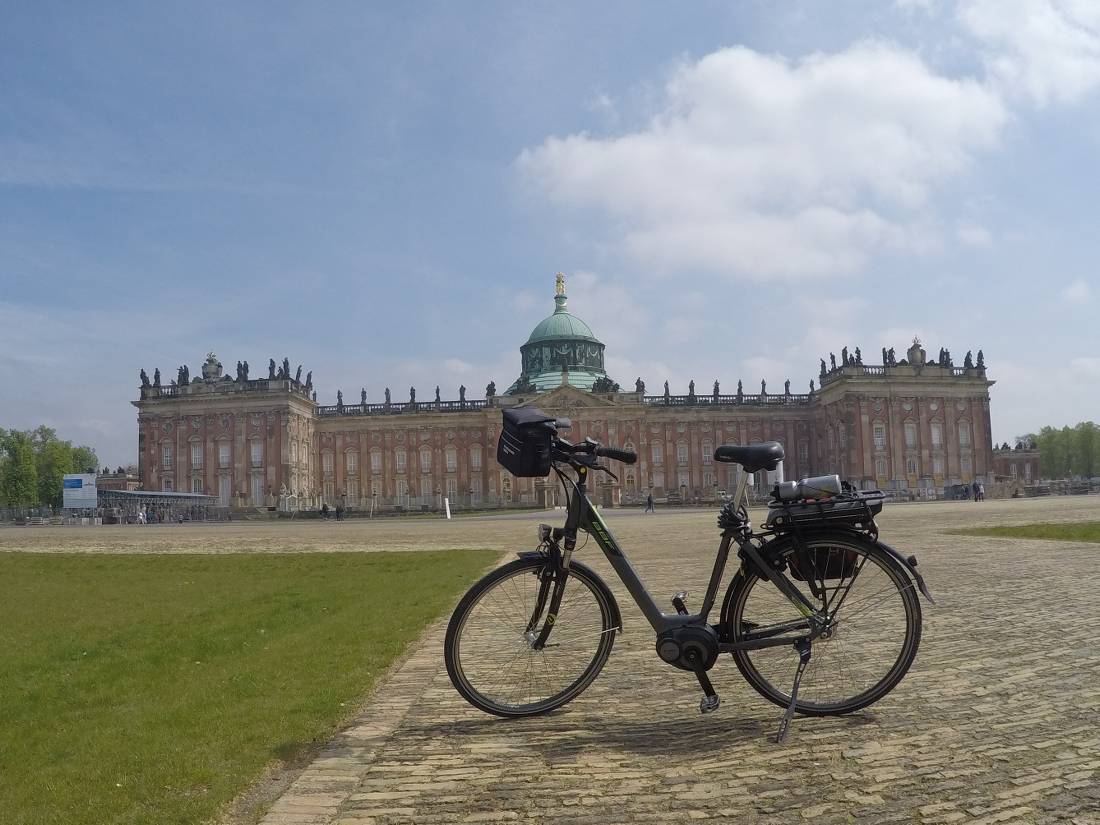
<point>997,722</point>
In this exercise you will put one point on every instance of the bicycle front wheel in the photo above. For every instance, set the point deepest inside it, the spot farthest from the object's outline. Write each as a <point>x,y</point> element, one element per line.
<point>489,652</point>
<point>869,646</point>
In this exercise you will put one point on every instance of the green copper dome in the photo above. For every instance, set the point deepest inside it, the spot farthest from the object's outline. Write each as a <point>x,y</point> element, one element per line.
<point>562,349</point>
<point>562,324</point>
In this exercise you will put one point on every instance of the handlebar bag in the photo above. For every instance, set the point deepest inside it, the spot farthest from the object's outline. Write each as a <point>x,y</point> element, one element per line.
<point>525,442</point>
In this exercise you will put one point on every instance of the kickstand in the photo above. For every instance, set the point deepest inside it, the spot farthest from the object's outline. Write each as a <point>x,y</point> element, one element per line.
<point>803,648</point>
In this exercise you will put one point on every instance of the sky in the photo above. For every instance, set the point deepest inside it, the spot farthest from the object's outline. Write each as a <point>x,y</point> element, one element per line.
<point>384,192</point>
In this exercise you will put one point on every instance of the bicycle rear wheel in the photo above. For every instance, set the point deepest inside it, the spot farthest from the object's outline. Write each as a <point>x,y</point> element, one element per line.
<point>488,648</point>
<point>867,651</point>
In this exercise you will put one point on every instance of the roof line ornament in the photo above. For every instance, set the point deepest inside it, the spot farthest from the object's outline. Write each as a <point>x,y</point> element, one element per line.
<point>559,293</point>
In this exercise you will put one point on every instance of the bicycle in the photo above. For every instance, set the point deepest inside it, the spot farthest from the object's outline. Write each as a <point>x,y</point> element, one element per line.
<point>846,619</point>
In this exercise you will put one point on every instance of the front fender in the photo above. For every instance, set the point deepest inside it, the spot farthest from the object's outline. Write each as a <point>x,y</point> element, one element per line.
<point>592,575</point>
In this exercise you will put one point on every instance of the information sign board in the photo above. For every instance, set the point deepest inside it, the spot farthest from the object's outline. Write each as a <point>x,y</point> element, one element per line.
<point>78,491</point>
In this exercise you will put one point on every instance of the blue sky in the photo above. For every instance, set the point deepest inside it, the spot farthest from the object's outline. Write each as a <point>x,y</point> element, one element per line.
<point>383,192</point>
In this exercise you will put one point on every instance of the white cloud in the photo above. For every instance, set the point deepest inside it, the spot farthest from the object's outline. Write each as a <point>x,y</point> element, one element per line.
<point>974,235</point>
<point>1045,50</point>
<point>758,166</point>
<point>1078,292</point>
<point>1085,367</point>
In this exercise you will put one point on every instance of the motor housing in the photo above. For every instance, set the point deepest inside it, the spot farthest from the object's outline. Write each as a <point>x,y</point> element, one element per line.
<point>684,647</point>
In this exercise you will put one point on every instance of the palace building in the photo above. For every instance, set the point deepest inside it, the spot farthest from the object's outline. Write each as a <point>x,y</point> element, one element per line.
<point>905,424</point>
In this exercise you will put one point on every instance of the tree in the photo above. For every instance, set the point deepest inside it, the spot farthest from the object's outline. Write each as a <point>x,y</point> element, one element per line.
<point>84,460</point>
<point>19,486</point>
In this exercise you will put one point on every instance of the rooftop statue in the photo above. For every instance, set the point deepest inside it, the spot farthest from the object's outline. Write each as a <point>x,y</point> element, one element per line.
<point>691,389</point>
<point>740,391</point>
<point>666,389</point>
<point>763,387</point>
<point>639,385</point>
<point>844,356</point>
<point>387,396</point>
<point>981,360</point>
<point>787,387</point>
<point>315,396</point>
<point>859,356</point>
<point>340,399</point>
<point>968,361</point>
<point>245,370</point>
<point>462,392</point>
<point>286,368</point>
<point>437,393</point>
<point>309,379</point>
<point>715,389</point>
<point>884,359</point>
<point>823,362</point>
<point>156,377</point>
<point>491,388</point>
<point>298,375</point>
<point>144,379</point>
<point>363,396</point>
<point>832,360</point>
<point>271,368</point>
<point>412,395</point>
<point>811,386</point>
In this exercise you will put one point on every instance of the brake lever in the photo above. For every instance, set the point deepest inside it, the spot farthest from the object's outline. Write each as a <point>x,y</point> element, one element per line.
<point>606,470</point>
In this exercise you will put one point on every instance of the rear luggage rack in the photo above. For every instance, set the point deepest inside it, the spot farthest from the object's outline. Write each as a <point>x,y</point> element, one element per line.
<point>856,509</point>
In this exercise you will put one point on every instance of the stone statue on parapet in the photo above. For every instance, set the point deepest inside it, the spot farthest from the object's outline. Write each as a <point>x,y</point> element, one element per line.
<point>271,369</point>
<point>387,396</point>
<point>144,379</point>
<point>741,391</point>
<point>340,398</point>
<point>309,380</point>
<point>666,391</point>
<point>884,360</point>
<point>437,399</point>
<point>240,367</point>
<point>298,375</point>
<point>462,393</point>
<point>363,396</point>
<point>832,360</point>
<point>715,389</point>
<point>823,362</point>
<point>891,358</point>
<point>639,385</point>
<point>811,386</point>
<point>180,380</point>
<point>763,387</point>
<point>981,360</point>
<point>412,395</point>
<point>858,356</point>
<point>691,389</point>
<point>844,356</point>
<point>156,377</point>
<point>244,371</point>
<point>491,389</point>
<point>315,396</point>
<point>968,361</point>
<point>787,387</point>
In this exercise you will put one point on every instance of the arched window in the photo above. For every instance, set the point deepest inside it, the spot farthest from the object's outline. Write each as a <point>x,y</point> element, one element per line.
<point>166,456</point>
<point>225,453</point>
<point>708,452</point>
<point>257,452</point>
<point>326,463</point>
<point>196,455</point>
<point>658,454</point>
<point>880,436</point>
<point>451,457</point>
<point>425,459</point>
<point>910,434</point>
<point>351,458</point>
<point>400,459</point>
<point>681,453</point>
<point>376,460</point>
<point>475,458</point>
<point>937,434</point>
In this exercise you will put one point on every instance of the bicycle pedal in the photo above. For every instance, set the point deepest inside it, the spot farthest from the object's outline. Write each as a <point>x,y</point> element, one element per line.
<point>678,602</point>
<point>709,703</point>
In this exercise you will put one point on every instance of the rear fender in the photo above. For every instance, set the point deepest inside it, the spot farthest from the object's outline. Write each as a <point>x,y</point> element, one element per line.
<point>616,616</point>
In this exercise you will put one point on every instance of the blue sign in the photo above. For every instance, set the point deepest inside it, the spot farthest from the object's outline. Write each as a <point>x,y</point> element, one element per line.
<point>73,483</point>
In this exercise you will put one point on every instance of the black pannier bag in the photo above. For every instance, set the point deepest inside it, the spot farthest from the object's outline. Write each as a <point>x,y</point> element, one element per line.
<point>855,510</point>
<point>524,445</point>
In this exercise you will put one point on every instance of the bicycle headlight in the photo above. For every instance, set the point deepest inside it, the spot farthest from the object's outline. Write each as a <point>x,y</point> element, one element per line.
<point>544,532</point>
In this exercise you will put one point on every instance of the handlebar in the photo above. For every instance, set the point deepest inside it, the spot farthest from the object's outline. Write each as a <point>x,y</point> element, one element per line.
<point>615,454</point>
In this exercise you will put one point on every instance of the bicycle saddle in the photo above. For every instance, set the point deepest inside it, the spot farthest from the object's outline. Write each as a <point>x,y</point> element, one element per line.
<point>752,457</point>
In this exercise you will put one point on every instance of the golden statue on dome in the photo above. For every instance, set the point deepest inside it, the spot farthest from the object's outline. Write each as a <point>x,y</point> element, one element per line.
<point>560,288</point>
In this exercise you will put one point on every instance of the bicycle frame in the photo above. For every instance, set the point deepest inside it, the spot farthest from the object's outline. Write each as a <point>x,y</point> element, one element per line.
<point>582,515</point>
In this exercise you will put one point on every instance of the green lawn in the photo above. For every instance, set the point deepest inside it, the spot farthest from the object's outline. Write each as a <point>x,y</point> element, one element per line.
<point>1073,531</point>
<point>152,689</point>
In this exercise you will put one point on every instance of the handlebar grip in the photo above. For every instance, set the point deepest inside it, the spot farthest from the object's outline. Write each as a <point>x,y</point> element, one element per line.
<point>625,456</point>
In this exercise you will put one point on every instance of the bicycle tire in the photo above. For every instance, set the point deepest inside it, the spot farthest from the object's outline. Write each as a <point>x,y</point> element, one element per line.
<point>579,576</point>
<point>749,661</point>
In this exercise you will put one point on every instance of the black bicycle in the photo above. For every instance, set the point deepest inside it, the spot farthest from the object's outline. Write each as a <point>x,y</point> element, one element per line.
<point>821,618</point>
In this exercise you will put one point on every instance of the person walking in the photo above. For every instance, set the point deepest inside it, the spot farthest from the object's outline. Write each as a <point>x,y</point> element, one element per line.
<point>974,489</point>
<point>649,504</point>
<point>981,491</point>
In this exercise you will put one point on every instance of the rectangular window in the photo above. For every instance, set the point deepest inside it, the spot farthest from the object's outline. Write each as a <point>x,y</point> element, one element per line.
<point>658,479</point>
<point>880,437</point>
<point>353,492</point>
<point>803,451</point>
<point>475,458</point>
<point>257,452</point>
<point>425,461</point>
<point>426,487</point>
<point>708,480</point>
<point>225,490</point>
<point>375,487</point>
<point>683,479</point>
<point>196,456</point>
<point>353,463</point>
<point>452,488</point>
<point>257,489</point>
<point>196,485</point>
<point>910,434</point>
<point>880,467</point>
<point>400,456</point>
<point>1015,472</point>
<point>452,460</point>
<point>910,466</point>
<point>964,434</point>
<point>376,461</point>
<point>708,452</point>
<point>326,462</point>
<point>937,465</point>
<point>1027,471</point>
<point>223,454</point>
<point>167,485</point>
<point>965,466</point>
<point>658,454</point>
<point>681,454</point>
<point>937,434</point>
<point>166,456</point>
<point>475,489</point>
